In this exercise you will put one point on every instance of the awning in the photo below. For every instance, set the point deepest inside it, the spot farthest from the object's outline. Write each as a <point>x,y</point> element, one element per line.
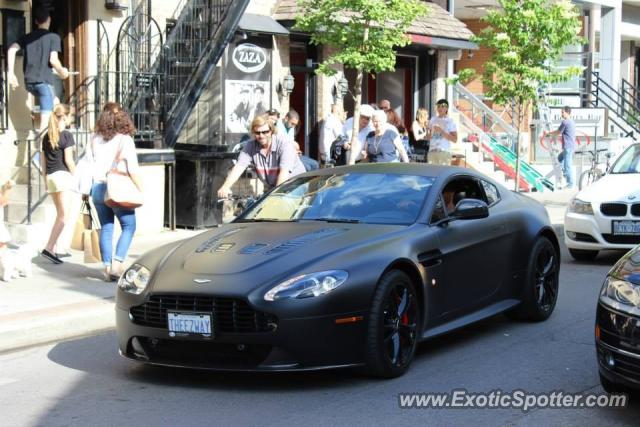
<point>252,23</point>
<point>442,43</point>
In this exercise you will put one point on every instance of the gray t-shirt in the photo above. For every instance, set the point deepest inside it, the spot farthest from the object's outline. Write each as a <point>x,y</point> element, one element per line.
<point>281,156</point>
<point>37,47</point>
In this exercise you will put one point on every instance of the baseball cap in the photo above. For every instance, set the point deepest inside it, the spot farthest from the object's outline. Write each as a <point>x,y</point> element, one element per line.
<point>366,110</point>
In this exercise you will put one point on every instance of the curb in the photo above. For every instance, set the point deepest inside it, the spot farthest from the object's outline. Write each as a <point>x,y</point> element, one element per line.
<point>34,328</point>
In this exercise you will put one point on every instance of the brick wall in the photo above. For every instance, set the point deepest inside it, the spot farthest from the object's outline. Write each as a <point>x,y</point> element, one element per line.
<point>480,56</point>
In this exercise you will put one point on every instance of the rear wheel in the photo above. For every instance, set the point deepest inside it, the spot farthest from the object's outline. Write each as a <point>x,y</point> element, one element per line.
<point>393,331</point>
<point>583,254</point>
<point>541,287</point>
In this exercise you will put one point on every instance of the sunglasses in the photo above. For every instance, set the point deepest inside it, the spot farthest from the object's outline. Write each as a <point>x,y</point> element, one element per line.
<point>261,132</point>
<point>442,105</point>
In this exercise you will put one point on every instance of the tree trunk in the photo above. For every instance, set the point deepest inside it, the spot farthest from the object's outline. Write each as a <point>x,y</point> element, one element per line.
<point>357,92</point>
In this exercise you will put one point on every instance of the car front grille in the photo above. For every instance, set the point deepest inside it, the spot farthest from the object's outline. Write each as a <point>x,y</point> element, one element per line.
<point>635,209</point>
<point>625,365</point>
<point>613,209</point>
<point>622,240</point>
<point>230,315</point>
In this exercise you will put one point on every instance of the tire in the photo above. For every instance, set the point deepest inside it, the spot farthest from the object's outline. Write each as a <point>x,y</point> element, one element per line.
<point>541,286</point>
<point>583,254</point>
<point>393,329</point>
<point>611,387</point>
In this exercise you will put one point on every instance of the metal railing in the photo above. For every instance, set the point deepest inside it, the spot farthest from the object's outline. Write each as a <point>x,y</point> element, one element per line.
<point>624,113</point>
<point>497,139</point>
<point>4,91</point>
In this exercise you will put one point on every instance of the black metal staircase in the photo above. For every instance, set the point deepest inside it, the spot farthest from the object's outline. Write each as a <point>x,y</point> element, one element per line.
<point>622,105</point>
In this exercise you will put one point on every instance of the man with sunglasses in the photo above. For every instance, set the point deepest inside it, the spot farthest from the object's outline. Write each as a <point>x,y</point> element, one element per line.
<point>273,157</point>
<point>442,132</point>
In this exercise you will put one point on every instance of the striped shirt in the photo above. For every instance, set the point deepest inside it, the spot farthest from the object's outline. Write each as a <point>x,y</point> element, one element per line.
<point>281,156</point>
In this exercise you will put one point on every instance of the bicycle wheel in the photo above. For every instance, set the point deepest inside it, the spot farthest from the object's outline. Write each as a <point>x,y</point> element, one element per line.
<point>586,178</point>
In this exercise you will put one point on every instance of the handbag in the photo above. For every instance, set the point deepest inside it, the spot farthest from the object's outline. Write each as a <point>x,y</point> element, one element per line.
<point>121,191</point>
<point>91,239</point>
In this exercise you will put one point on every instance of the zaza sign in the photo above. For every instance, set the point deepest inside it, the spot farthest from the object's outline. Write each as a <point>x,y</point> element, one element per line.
<point>249,58</point>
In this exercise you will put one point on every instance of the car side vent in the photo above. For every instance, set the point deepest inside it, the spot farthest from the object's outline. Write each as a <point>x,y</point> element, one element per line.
<point>635,209</point>
<point>211,242</point>
<point>304,239</point>
<point>613,209</point>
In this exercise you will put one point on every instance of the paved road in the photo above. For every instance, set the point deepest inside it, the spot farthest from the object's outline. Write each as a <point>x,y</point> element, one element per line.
<point>84,382</point>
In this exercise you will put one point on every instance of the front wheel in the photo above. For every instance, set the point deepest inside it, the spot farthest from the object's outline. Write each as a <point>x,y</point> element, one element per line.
<point>541,285</point>
<point>393,329</point>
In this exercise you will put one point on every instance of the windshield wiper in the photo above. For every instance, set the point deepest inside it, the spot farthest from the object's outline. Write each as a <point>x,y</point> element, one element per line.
<point>345,220</point>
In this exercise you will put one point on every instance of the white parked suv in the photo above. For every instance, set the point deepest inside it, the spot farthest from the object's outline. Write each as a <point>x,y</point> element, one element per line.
<point>606,215</point>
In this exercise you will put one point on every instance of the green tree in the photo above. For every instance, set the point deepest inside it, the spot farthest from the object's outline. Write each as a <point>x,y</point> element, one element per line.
<point>363,34</point>
<point>528,38</point>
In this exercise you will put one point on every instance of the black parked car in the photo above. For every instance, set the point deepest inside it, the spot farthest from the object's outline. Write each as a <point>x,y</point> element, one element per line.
<point>618,325</point>
<point>347,266</point>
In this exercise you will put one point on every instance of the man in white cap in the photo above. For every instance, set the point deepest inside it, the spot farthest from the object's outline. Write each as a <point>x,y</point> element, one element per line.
<point>354,154</point>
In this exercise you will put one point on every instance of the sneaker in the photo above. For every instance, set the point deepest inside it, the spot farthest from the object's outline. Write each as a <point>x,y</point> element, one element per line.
<point>51,257</point>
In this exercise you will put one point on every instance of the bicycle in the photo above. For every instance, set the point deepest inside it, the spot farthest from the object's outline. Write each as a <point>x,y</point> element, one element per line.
<point>594,173</point>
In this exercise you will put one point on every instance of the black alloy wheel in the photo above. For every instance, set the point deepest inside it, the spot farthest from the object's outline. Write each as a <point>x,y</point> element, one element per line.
<point>541,287</point>
<point>393,326</point>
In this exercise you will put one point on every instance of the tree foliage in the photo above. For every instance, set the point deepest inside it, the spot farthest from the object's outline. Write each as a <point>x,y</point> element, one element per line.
<point>363,33</point>
<point>527,38</point>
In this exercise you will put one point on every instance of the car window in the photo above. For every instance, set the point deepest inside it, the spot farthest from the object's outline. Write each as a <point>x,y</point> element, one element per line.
<point>629,161</point>
<point>455,190</point>
<point>345,197</point>
<point>491,191</point>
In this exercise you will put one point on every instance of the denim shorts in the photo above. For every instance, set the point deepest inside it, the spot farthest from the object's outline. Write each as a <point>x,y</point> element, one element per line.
<point>45,95</point>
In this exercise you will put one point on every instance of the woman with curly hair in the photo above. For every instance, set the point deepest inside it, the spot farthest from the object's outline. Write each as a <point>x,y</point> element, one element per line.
<point>58,167</point>
<point>111,141</point>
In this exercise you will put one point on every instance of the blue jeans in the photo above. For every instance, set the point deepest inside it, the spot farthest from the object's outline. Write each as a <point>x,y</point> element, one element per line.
<point>126,218</point>
<point>45,94</point>
<point>566,158</point>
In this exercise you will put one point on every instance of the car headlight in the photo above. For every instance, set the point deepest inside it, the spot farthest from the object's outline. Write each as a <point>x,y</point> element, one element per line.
<point>307,285</point>
<point>580,207</point>
<point>622,295</point>
<point>135,279</point>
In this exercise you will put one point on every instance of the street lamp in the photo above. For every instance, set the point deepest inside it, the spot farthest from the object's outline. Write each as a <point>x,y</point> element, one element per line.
<point>287,85</point>
<point>116,4</point>
<point>342,87</point>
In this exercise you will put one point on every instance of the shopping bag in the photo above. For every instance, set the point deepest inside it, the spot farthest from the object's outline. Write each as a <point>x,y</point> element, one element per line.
<point>83,222</point>
<point>91,243</point>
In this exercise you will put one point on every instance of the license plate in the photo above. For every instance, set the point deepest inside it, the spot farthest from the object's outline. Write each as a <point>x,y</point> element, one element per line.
<point>626,227</point>
<point>192,323</point>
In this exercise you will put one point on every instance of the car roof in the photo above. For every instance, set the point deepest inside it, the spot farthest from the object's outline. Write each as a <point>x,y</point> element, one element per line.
<point>420,169</point>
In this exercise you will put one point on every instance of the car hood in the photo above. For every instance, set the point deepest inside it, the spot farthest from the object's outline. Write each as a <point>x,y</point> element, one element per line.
<point>613,187</point>
<point>628,267</point>
<point>267,249</point>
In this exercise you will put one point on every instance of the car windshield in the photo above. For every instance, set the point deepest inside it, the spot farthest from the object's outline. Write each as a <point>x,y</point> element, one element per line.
<point>629,161</point>
<point>347,198</point>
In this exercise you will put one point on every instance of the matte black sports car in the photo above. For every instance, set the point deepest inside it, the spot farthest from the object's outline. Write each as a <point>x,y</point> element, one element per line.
<point>348,266</point>
<point>618,325</point>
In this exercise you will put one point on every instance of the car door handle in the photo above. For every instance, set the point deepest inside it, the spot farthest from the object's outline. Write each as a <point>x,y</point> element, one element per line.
<point>430,258</point>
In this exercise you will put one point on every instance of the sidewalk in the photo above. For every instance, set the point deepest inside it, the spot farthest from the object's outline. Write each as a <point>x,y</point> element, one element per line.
<point>64,301</point>
<point>70,300</point>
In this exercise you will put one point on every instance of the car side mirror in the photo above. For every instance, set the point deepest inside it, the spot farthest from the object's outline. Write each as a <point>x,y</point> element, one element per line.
<point>470,209</point>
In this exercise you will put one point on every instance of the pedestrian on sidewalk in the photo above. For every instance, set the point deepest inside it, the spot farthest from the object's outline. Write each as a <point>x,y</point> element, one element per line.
<point>58,168</point>
<point>40,48</point>
<point>442,132</point>
<point>112,140</point>
<point>5,236</point>
<point>567,130</point>
<point>419,132</point>
<point>383,144</point>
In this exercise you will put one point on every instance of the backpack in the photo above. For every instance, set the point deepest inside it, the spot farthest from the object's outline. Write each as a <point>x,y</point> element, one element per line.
<point>337,153</point>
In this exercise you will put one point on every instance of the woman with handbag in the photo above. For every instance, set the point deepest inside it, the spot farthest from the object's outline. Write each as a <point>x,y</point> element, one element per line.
<point>114,153</point>
<point>58,167</point>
